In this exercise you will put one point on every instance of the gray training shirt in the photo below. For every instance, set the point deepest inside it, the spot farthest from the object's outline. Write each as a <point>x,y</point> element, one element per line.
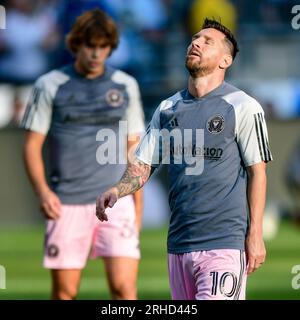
<point>209,210</point>
<point>71,110</point>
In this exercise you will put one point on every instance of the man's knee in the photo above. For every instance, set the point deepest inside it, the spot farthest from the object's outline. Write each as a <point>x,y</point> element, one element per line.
<point>65,284</point>
<point>123,291</point>
<point>68,292</point>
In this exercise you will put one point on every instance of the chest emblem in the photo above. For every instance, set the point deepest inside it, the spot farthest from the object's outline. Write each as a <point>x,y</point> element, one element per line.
<point>114,97</point>
<point>215,124</point>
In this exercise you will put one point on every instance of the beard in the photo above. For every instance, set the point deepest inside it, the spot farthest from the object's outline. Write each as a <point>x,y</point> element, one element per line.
<point>196,68</point>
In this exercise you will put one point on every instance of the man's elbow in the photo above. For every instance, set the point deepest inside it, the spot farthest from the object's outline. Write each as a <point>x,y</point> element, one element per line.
<point>257,170</point>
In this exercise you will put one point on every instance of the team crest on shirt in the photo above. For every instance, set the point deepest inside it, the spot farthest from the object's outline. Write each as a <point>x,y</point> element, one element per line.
<point>215,124</point>
<point>114,97</point>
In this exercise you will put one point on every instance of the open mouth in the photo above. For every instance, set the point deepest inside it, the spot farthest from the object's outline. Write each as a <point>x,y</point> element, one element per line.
<point>194,54</point>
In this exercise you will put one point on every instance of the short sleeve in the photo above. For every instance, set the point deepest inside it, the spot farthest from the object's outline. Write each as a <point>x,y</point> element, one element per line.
<point>134,113</point>
<point>38,113</point>
<point>148,150</point>
<point>252,133</point>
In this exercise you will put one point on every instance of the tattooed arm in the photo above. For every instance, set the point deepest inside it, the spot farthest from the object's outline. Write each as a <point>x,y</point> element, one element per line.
<point>135,176</point>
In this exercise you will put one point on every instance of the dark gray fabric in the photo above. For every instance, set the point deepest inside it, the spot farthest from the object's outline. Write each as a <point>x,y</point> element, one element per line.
<point>208,210</point>
<point>80,110</point>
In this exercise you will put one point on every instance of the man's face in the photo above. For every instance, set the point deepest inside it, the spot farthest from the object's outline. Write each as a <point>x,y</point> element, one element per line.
<point>91,58</point>
<point>206,52</point>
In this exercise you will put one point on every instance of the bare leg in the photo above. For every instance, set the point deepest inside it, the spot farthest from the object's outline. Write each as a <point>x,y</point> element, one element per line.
<point>122,277</point>
<point>65,284</point>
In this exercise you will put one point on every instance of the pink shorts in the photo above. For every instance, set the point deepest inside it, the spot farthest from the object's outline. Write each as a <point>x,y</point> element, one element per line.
<point>77,233</point>
<point>208,275</point>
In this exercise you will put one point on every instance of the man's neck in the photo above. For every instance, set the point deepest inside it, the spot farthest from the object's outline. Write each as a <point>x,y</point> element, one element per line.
<point>199,87</point>
<point>78,67</point>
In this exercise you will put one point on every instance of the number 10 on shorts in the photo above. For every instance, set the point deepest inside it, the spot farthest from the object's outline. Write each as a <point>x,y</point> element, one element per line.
<point>221,282</point>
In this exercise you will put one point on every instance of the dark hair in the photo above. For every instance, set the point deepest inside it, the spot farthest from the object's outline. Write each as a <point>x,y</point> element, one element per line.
<point>92,27</point>
<point>229,37</point>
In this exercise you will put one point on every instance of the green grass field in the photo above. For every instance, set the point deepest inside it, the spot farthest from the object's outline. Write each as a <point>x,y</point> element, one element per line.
<point>21,255</point>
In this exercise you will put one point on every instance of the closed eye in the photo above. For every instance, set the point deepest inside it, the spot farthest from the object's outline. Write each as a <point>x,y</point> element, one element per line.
<point>209,41</point>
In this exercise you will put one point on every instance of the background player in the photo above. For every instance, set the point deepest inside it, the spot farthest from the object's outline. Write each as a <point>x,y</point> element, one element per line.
<point>293,181</point>
<point>70,106</point>
<point>210,230</point>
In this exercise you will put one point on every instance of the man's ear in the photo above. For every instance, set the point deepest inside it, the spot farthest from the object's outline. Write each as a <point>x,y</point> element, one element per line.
<point>226,61</point>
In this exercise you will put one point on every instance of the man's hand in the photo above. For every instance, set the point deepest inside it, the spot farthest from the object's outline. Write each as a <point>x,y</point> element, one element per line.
<point>256,195</point>
<point>255,251</point>
<point>106,199</point>
<point>134,178</point>
<point>50,204</point>
<point>34,163</point>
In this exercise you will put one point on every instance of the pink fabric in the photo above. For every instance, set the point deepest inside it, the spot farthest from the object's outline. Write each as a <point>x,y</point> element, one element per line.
<point>77,233</point>
<point>208,275</point>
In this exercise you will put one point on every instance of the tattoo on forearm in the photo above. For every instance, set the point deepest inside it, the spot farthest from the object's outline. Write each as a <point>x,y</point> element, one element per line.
<point>135,177</point>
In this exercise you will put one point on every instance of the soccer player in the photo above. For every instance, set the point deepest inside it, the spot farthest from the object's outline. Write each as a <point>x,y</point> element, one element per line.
<point>213,240</point>
<point>72,107</point>
<point>293,181</point>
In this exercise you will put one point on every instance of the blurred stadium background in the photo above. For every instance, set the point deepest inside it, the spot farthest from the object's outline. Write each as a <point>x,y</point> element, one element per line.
<point>154,37</point>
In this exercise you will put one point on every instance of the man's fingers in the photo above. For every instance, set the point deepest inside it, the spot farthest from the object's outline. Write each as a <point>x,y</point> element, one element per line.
<point>107,199</point>
<point>250,267</point>
<point>101,204</point>
<point>103,217</point>
<point>104,202</point>
<point>55,208</point>
<point>112,201</point>
<point>51,207</point>
<point>50,214</point>
<point>258,264</point>
<point>253,265</point>
<point>53,215</point>
<point>100,209</point>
